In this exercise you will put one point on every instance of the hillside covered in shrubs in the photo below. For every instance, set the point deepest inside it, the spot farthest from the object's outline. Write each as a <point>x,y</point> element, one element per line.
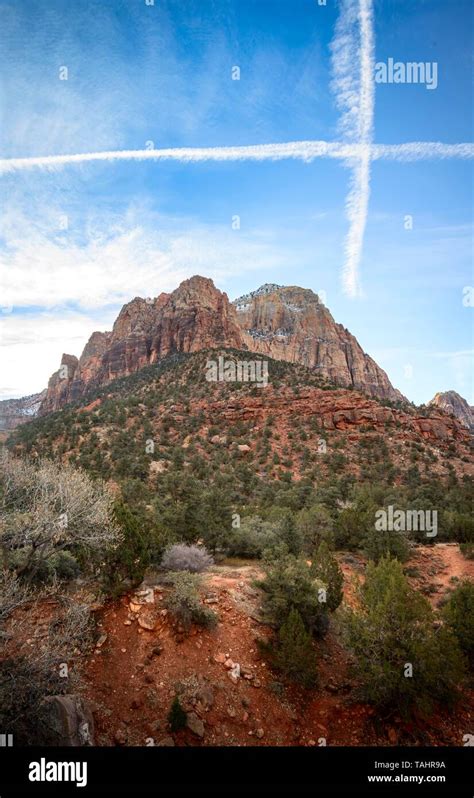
<point>169,476</point>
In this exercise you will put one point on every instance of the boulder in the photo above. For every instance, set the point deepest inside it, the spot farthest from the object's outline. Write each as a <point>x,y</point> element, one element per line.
<point>66,720</point>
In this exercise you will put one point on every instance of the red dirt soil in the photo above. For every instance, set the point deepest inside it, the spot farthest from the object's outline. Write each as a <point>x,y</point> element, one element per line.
<point>131,687</point>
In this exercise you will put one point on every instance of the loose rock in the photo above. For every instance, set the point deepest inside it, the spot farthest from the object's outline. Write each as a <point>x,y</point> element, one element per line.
<point>195,724</point>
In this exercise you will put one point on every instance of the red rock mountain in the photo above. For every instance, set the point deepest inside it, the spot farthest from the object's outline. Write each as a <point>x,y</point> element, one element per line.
<point>290,323</point>
<point>454,404</point>
<point>286,323</point>
<point>14,412</point>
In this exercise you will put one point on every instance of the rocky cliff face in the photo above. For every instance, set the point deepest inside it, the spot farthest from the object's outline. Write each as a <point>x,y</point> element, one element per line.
<point>341,410</point>
<point>453,403</point>
<point>195,316</point>
<point>17,411</point>
<point>285,323</point>
<point>290,323</point>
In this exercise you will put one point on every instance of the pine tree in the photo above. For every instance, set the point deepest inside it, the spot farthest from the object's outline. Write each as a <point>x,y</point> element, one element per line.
<point>326,568</point>
<point>459,616</point>
<point>294,654</point>
<point>403,661</point>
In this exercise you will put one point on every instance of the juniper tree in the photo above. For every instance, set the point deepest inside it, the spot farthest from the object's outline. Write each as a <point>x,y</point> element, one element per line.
<point>459,616</point>
<point>128,561</point>
<point>293,653</point>
<point>326,568</point>
<point>403,660</point>
<point>385,543</point>
<point>290,584</point>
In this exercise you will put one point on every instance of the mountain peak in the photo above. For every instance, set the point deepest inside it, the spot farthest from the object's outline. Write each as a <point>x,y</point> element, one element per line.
<point>452,402</point>
<point>284,322</point>
<point>291,323</point>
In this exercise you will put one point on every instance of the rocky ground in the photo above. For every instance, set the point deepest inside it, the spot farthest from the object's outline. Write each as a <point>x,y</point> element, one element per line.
<point>231,696</point>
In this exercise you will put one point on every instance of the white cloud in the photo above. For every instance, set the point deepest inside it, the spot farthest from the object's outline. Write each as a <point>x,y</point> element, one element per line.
<point>116,261</point>
<point>31,348</point>
<point>56,288</point>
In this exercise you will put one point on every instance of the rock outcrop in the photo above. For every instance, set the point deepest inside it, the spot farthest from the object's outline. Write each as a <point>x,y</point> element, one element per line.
<point>454,404</point>
<point>286,323</point>
<point>17,411</point>
<point>66,720</point>
<point>195,316</point>
<point>291,323</point>
<point>341,410</point>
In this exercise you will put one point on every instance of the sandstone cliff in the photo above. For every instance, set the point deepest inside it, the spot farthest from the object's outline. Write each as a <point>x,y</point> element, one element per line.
<point>17,411</point>
<point>291,323</point>
<point>195,316</point>
<point>285,323</point>
<point>453,403</point>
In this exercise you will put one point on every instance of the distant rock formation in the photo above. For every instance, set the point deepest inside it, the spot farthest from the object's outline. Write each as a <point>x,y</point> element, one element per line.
<point>17,411</point>
<point>453,403</point>
<point>291,323</point>
<point>286,323</point>
<point>195,316</point>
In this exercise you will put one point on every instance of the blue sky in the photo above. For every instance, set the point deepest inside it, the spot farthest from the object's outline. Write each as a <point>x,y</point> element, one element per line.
<point>163,74</point>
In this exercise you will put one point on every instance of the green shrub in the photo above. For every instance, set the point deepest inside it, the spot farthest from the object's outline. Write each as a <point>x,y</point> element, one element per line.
<point>326,568</point>
<point>64,565</point>
<point>393,629</point>
<point>252,538</point>
<point>385,543</point>
<point>459,616</point>
<point>352,526</point>
<point>467,549</point>
<point>286,532</point>
<point>176,716</point>
<point>315,524</point>
<point>290,584</point>
<point>293,652</point>
<point>184,602</point>
<point>126,564</point>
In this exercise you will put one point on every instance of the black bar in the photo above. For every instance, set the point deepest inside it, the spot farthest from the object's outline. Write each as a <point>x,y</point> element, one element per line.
<point>244,771</point>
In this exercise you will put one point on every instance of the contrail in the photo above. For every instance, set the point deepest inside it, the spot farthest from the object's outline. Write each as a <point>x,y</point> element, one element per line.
<point>303,150</point>
<point>353,45</point>
<point>300,150</point>
<point>422,150</point>
<point>353,85</point>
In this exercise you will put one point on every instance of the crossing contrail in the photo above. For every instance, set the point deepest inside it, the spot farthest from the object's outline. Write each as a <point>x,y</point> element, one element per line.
<point>353,84</point>
<point>299,150</point>
<point>302,150</point>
